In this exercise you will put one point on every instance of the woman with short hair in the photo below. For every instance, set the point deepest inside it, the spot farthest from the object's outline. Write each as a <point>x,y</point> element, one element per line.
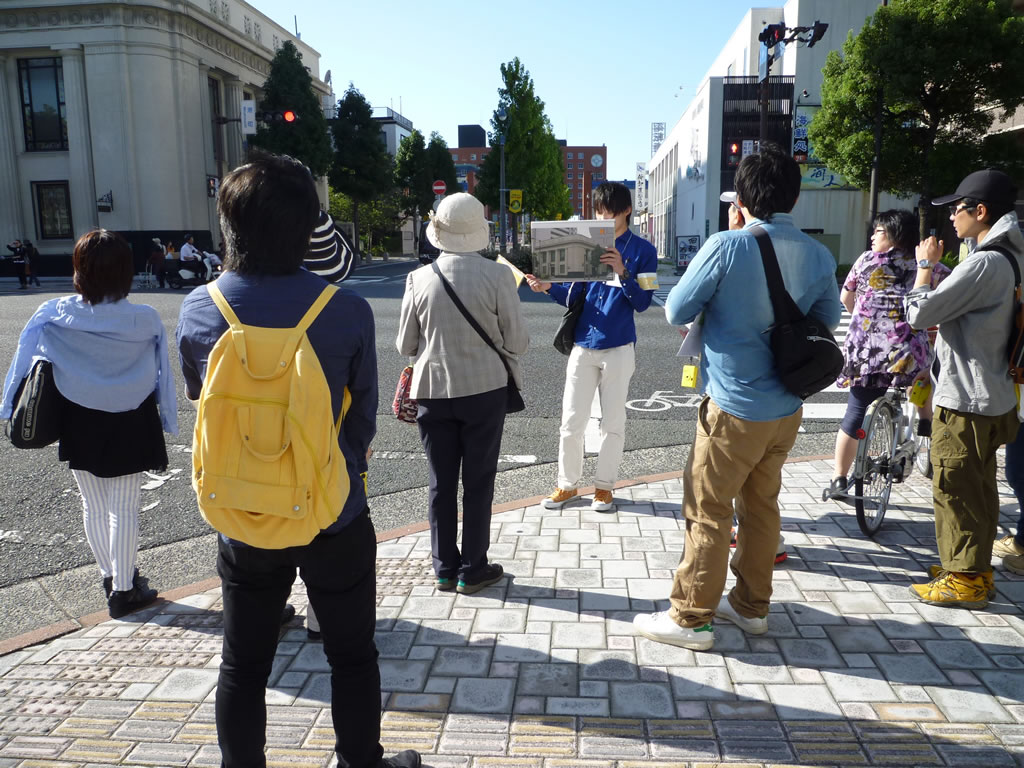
<point>881,349</point>
<point>111,367</point>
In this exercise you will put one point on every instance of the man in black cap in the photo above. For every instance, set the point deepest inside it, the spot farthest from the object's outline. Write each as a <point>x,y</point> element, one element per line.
<point>975,397</point>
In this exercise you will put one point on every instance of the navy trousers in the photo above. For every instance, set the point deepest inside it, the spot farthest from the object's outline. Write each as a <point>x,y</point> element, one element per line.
<point>461,433</point>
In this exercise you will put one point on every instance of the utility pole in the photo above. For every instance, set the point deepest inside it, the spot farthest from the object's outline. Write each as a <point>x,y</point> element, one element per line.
<point>772,37</point>
<point>501,183</point>
<point>876,160</point>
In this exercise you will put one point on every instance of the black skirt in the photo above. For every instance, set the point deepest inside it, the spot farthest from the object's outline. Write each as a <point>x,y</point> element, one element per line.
<point>113,444</point>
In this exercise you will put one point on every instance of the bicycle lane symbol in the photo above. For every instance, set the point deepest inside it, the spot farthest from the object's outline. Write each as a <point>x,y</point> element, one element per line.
<point>663,400</point>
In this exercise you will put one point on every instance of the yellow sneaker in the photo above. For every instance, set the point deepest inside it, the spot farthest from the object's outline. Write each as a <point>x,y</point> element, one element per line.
<point>953,590</point>
<point>557,499</point>
<point>935,571</point>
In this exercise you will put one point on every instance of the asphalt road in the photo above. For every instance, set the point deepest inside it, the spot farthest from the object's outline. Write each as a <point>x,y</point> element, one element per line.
<point>40,511</point>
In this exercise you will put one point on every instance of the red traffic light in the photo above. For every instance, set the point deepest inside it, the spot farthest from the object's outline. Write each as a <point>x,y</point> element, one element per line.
<point>289,116</point>
<point>734,149</point>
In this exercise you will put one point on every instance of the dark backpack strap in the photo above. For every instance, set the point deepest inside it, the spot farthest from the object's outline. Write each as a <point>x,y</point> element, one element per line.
<point>469,318</point>
<point>776,287</point>
<point>1009,258</point>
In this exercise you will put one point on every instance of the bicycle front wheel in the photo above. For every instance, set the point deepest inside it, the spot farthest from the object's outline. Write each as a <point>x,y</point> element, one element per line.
<point>874,482</point>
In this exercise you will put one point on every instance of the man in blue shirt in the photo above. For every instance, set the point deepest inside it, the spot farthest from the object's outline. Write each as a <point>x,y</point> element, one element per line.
<point>268,210</point>
<point>602,357</point>
<point>748,421</point>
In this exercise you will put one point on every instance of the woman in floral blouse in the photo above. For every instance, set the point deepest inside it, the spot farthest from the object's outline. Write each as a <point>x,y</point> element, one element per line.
<point>881,348</point>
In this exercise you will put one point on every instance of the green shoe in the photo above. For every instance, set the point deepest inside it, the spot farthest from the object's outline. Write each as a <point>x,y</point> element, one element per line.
<point>445,584</point>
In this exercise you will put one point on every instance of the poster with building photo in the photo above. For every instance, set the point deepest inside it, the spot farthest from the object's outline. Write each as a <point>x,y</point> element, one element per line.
<point>570,251</point>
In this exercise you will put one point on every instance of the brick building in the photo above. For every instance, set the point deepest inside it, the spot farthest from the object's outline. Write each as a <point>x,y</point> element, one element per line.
<point>583,166</point>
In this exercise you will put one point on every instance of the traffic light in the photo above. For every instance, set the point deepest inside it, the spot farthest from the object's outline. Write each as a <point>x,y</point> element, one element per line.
<point>817,32</point>
<point>772,34</point>
<point>278,116</point>
<point>732,154</point>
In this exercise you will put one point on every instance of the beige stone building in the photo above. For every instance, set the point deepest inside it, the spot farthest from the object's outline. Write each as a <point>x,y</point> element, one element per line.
<point>125,115</point>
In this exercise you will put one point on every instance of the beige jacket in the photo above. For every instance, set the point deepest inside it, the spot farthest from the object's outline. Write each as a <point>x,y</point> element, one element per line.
<point>449,357</point>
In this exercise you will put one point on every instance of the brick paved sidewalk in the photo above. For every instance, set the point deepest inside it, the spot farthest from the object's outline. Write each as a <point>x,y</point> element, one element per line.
<point>544,670</point>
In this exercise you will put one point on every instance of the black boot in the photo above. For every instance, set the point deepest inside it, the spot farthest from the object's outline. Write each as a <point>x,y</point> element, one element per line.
<point>129,601</point>
<point>409,758</point>
<point>108,583</point>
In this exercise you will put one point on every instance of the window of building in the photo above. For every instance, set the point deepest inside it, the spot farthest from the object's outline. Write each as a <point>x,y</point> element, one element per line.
<point>247,25</point>
<point>42,104</point>
<point>579,155</point>
<point>455,158</point>
<point>597,176</point>
<point>472,156</point>
<point>53,210</point>
<point>257,32</point>
<point>570,175</point>
<point>225,12</point>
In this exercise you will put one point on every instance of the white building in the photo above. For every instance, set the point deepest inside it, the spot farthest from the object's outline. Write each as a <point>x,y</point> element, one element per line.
<point>122,114</point>
<point>697,161</point>
<point>393,127</point>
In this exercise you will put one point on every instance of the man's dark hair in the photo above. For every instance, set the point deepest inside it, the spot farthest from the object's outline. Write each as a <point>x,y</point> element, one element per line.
<point>268,209</point>
<point>768,182</point>
<point>901,227</point>
<point>993,211</point>
<point>103,266</point>
<point>612,197</point>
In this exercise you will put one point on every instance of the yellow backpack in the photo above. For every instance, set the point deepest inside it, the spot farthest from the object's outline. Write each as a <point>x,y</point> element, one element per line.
<point>266,466</point>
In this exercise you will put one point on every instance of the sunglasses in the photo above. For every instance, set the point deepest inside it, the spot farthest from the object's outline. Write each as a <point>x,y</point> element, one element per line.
<point>955,209</point>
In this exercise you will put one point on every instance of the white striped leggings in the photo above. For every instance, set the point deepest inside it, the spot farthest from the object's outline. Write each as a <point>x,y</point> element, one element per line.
<point>110,512</point>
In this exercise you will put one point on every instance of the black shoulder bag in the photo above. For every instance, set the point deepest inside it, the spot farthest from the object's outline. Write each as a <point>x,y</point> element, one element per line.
<point>515,403</point>
<point>807,358</point>
<point>38,413</point>
<point>565,336</point>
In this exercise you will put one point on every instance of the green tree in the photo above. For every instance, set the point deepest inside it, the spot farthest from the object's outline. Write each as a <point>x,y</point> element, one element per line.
<point>946,70</point>
<point>379,218</point>
<point>412,176</point>
<point>440,166</point>
<point>363,170</point>
<point>533,158</point>
<point>289,86</point>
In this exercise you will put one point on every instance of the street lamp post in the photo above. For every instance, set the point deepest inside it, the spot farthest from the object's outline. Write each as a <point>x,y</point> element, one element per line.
<point>501,182</point>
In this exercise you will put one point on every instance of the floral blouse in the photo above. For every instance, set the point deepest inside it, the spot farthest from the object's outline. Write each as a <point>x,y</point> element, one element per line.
<point>881,348</point>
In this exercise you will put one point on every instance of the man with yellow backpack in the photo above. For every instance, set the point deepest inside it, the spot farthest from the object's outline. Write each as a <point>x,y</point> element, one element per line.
<point>284,371</point>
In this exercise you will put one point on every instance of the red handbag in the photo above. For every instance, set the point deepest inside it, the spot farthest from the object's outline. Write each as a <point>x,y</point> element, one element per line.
<point>404,406</point>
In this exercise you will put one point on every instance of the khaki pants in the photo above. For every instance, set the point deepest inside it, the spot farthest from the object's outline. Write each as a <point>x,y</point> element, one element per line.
<point>732,459</point>
<point>964,485</point>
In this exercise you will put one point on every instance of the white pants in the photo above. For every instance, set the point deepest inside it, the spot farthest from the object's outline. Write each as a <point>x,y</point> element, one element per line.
<point>607,371</point>
<point>110,512</point>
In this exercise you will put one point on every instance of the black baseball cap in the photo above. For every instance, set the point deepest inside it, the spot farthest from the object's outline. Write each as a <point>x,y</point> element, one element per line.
<point>990,186</point>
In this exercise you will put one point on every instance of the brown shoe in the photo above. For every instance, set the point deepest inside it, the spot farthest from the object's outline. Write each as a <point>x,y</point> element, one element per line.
<point>1006,547</point>
<point>603,501</point>
<point>558,498</point>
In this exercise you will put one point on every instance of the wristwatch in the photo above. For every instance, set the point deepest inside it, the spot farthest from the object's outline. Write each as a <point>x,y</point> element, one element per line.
<point>625,274</point>
<point>924,264</point>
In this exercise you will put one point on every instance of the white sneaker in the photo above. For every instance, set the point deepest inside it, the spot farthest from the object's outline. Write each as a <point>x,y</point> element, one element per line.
<point>725,611</point>
<point>660,628</point>
<point>923,460</point>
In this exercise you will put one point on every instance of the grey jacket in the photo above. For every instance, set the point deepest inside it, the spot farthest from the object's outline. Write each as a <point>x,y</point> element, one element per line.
<point>450,358</point>
<point>973,308</point>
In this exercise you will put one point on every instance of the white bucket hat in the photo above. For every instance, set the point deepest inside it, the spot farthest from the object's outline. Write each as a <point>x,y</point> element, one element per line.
<point>459,225</point>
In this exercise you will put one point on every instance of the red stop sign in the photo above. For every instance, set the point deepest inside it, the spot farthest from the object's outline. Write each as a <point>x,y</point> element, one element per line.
<point>439,187</point>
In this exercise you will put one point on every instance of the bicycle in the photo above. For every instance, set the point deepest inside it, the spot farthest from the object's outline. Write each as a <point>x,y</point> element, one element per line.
<point>886,451</point>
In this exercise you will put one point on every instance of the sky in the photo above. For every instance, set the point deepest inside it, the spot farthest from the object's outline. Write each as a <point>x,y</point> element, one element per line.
<point>604,70</point>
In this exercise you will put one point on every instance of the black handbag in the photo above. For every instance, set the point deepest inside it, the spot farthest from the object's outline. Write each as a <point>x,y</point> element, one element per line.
<point>38,409</point>
<point>807,357</point>
<point>514,401</point>
<point>565,336</point>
